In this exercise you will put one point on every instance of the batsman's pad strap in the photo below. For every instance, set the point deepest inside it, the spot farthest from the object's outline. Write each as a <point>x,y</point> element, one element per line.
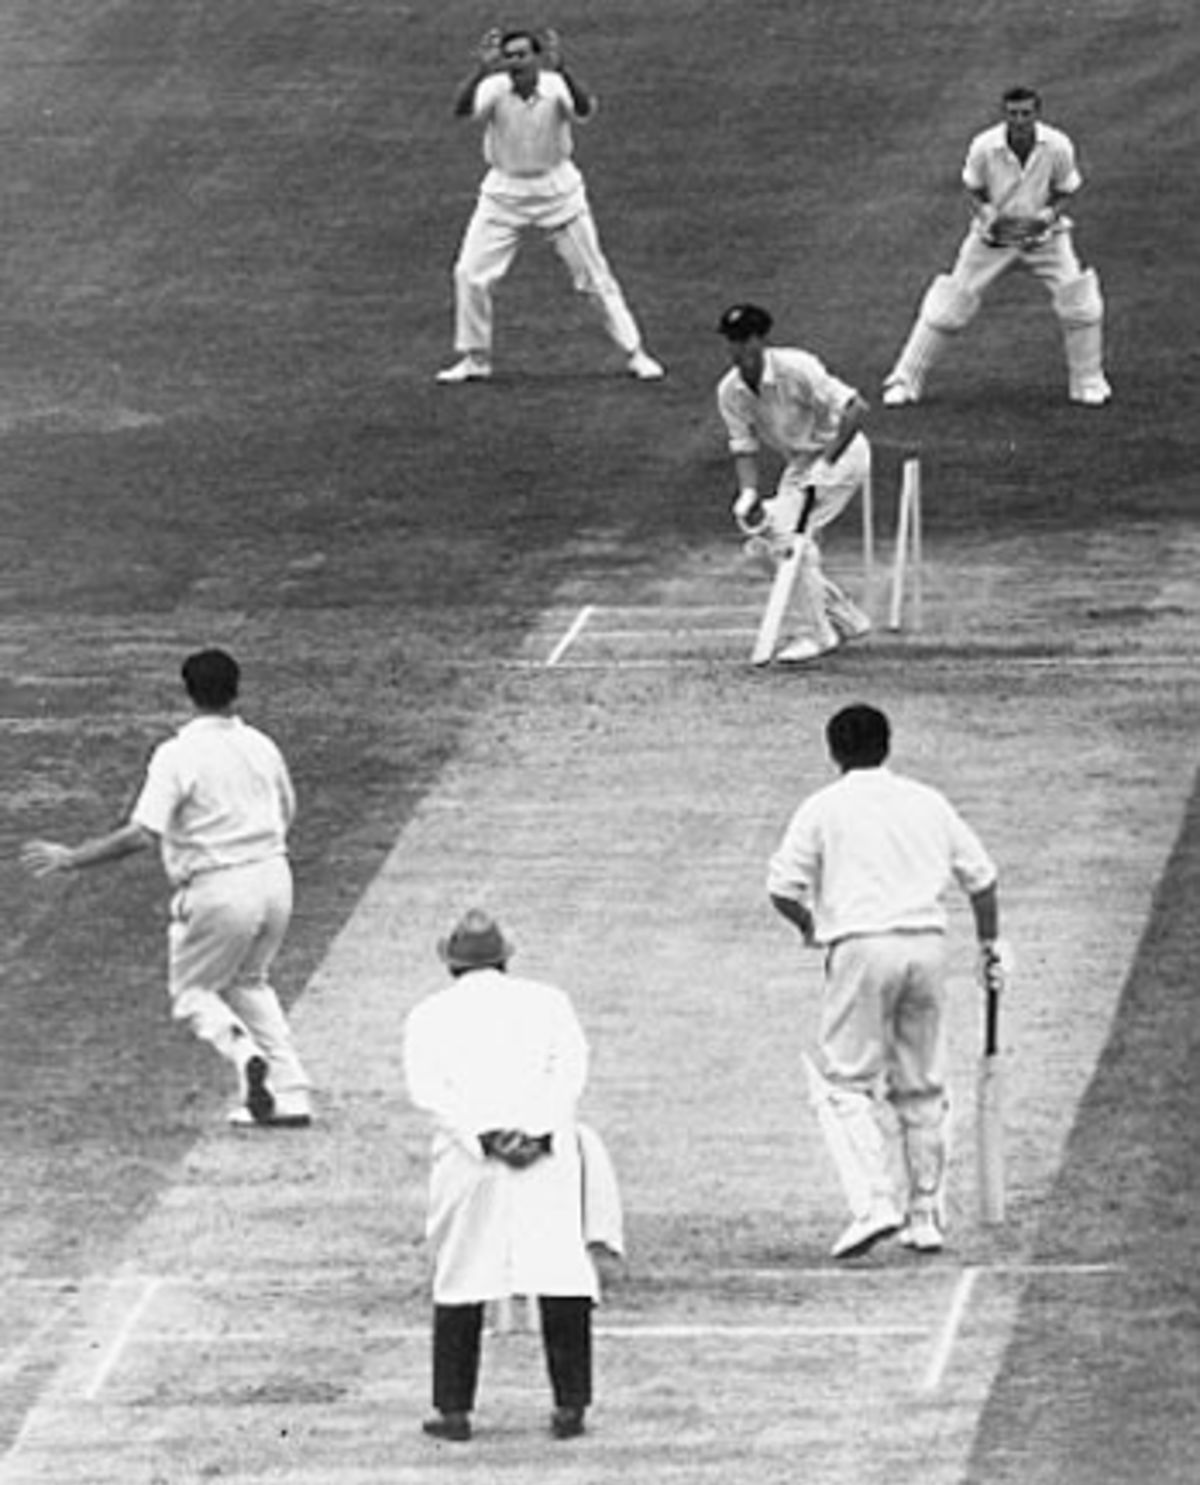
<point>946,307</point>
<point>1079,301</point>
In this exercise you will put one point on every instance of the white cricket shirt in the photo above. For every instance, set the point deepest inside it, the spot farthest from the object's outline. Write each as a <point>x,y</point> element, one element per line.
<point>1015,189</point>
<point>217,794</point>
<point>874,852</point>
<point>525,136</point>
<point>795,411</point>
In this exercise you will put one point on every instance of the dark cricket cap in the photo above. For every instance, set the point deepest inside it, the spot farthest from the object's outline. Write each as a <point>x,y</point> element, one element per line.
<point>741,321</point>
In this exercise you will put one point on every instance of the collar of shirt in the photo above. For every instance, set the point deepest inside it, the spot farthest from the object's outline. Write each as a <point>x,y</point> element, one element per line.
<point>206,720</point>
<point>770,374</point>
<point>534,94</point>
<point>998,139</point>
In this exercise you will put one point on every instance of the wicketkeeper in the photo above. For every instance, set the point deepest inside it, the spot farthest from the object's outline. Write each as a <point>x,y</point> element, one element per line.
<point>1018,174</point>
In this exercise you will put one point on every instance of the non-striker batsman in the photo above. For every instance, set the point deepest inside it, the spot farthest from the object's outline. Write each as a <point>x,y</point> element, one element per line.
<point>860,873</point>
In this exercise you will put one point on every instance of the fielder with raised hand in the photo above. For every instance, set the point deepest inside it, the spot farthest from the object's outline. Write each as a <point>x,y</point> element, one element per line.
<point>1018,174</point>
<point>787,399</point>
<point>860,873</point>
<point>528,99</point>
<point>218,801</point>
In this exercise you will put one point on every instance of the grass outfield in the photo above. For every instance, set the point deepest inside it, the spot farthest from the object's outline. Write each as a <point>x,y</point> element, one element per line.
<point>228,237</point>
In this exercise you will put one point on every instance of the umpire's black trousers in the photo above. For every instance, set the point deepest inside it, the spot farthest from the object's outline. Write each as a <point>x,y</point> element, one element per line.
<point>566,1338</point>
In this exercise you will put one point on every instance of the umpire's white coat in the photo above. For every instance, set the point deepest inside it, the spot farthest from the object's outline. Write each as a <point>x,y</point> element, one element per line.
<point>492,1051</point>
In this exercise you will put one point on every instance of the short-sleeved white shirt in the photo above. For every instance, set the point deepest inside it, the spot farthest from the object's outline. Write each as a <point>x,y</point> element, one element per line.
<point>874,852</point>
<point>217,794</point>
<point>795,411</point>
<point>525,136</point>
<point>1016,189</point>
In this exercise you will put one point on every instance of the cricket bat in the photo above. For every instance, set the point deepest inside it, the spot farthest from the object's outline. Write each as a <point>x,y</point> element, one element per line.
<point>781,589</point>
<point>989,1116</point>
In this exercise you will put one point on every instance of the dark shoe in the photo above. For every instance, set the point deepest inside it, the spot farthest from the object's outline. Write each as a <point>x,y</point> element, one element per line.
<point>259,1098</point>
<point>242,1118</point>
<point>454,1427</point>
<point>567,1423</point>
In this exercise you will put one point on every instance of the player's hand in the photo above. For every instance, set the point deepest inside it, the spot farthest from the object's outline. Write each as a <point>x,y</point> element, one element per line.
<point>995,963</point>
<point>489,51</point>
<point>521,1150</point>
<point>552,50</point>
<point>1018,232</point>
<point>43,857</point>
<point>513,1146</point>
<point>748,512</point>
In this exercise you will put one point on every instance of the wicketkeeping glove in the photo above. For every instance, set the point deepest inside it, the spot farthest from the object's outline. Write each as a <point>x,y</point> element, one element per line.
<point>1019,232</point>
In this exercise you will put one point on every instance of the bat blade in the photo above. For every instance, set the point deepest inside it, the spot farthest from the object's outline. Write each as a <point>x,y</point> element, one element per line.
<point>990,1136</point>
<point>989,1122</point>
<point>777,605</point>
<point>782,586</point>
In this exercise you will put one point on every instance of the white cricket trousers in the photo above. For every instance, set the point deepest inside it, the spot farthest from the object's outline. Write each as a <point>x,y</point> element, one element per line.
<point>882,1023</point>
<point>978,266</point>
<point>487,252</point>
<point>226,928</point>
<point>825,608</point>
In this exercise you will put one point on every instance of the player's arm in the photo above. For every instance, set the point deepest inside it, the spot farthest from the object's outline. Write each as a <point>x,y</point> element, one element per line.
<point>985,908</point>
<point>796,914</point>
<point>850,422</point>
<point>490,59</point>
<point>747,507</point>
<point>995,956</point>
<point>583,100</point>
<point>43,857</point>
<point>791,873</point>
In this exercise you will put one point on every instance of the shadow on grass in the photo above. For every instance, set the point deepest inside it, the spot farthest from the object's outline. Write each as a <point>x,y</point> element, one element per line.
<point>1101,1381</point>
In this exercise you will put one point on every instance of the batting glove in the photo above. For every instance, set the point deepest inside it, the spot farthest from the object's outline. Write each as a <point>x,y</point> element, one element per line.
<point>748,511</point>
<point>995,965</point>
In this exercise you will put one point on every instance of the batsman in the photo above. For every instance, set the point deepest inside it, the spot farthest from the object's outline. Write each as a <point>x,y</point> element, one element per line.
<point>787,399</point>
<point>861,872</point>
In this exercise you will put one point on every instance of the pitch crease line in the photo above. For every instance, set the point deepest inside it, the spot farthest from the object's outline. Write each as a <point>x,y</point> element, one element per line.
<point>940,1359</point>
<point>608,1332</point>
<point>116,1346</point>
<point>574,631</point>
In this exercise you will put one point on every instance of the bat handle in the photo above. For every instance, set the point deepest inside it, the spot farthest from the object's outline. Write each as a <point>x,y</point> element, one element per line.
<point>806,509</point>
<point>991,1024</point>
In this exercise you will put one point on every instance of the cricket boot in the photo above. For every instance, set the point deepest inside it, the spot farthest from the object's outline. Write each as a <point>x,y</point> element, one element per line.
<point>1079,306</point>
<point>858,1149</point>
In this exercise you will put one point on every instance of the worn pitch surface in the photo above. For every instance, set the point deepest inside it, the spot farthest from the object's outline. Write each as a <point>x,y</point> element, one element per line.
<point>267,1319</point>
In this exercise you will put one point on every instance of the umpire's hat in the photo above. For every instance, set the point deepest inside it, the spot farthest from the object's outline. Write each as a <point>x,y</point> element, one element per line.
<point>475,942</point>
<point>741,321</point>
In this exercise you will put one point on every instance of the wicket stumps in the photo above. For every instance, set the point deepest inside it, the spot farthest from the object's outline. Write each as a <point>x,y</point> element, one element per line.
<point>907,558</point>
<point>868,535</point>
